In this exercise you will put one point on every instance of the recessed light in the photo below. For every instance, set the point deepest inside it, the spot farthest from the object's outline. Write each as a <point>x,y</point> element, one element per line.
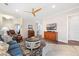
<point>53,6</point>
<point>16,10</point>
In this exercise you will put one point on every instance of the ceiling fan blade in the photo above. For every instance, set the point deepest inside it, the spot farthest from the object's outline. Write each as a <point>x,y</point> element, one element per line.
<point>28,11</point>
<point>34,11</point>
<point>33,14</point>
<point>37,10</point>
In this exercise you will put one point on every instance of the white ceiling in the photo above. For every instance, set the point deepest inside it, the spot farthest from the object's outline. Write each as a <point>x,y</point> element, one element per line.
<point>47,9</point>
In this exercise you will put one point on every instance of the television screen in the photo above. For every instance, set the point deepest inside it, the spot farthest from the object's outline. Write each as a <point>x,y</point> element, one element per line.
<point>52,26</point>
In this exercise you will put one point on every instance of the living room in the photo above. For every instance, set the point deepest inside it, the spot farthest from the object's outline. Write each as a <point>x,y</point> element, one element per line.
<point>29,29</point>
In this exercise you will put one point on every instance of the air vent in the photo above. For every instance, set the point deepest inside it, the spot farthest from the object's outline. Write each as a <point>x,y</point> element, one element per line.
<point>6,4</point>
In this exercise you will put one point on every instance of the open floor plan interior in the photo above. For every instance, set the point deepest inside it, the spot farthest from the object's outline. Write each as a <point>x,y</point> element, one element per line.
<point>39,29</point>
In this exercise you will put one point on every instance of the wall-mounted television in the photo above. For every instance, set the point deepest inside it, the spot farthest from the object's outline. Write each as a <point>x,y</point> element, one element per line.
<point>51,27</point>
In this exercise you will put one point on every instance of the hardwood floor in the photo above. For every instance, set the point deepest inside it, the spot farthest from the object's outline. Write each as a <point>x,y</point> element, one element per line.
<point>73,42</point>
<point>70,42</point>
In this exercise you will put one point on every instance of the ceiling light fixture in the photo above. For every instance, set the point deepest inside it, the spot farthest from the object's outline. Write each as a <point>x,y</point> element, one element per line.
<point>16,10</point>
<point>53,6</point>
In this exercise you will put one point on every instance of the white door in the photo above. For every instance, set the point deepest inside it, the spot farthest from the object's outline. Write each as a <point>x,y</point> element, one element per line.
<point>73,27</point>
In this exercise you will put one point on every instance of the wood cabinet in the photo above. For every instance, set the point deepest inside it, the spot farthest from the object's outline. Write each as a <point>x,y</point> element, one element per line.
<point>19,38</point>
<point>31,33</point>
<point>50,36</point>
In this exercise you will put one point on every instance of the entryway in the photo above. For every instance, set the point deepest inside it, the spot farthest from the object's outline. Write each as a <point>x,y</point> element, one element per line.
<point>73,29</point>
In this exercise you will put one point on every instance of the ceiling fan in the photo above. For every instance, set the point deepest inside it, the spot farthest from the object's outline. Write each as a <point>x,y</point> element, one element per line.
<point>34,11</point>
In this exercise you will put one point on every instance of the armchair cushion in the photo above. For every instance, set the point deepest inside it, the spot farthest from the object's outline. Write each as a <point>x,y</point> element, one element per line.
<point>14,49</point>
<point>16,52</point>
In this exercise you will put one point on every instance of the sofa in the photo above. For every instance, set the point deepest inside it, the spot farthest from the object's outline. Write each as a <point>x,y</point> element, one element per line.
<point>14,48</point>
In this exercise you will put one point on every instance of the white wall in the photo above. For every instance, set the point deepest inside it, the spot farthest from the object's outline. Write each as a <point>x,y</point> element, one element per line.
<point>67,25</point>
<point>62,20</point>
<point>61,26</point>
<point>26,22</point>
<point>22,21</point>
<point>32,21</point>
<point>9,22</point>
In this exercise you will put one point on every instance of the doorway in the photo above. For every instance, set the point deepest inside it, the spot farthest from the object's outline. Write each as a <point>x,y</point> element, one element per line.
<point>73,29</point>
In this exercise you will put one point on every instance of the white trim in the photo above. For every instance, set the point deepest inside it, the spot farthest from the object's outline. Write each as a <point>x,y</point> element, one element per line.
<point>67,29</point>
